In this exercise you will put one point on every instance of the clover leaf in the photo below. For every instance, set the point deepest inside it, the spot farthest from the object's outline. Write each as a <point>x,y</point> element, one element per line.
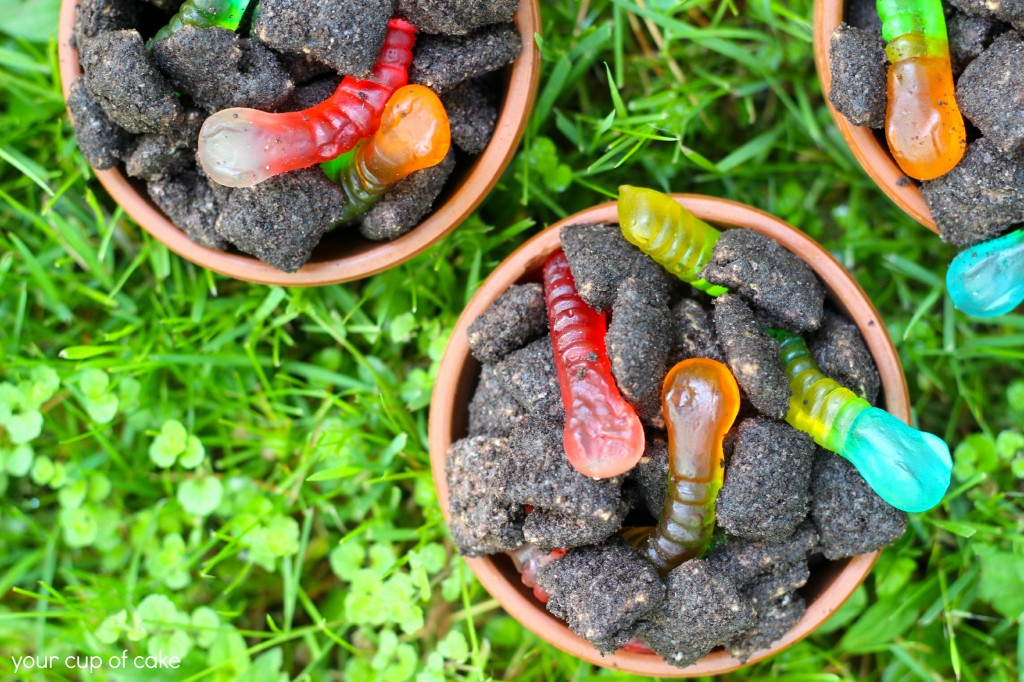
<point>175,643</point>
<point>346,559</point>
<point>157,611</point>
<point>168,564</point>
<point>174,444</point>
<point>42,470</point>
<point>99,401</point>
<point>10,401</point>
<point>24,427</point>
<point>193,454</point>
<point>282,536</point>
<point>18,461</point>
<point>200,497</point>
<point>43,383</point>
<point>206,622</point>
<point>112,626</point>
<point>79,525</point>
<point>72,496</point>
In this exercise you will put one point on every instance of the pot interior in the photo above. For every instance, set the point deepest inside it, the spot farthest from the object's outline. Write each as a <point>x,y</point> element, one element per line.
<point>823,571</point>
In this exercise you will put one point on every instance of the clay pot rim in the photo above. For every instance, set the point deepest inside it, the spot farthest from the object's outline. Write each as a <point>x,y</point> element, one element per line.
<point>873,156</point>
<point>362,258</point>
<point>457,365</point>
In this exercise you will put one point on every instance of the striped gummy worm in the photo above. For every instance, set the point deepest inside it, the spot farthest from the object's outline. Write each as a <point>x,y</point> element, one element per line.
<point>908,468</point>
<point>923,123</point>
<point>701,400</point>
<point>414,134</point>
<point>673,237</point>
<point>205,14</point>
<point>243,147</point>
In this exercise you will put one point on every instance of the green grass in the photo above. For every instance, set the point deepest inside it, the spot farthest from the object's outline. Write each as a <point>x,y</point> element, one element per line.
<point>326,557</point>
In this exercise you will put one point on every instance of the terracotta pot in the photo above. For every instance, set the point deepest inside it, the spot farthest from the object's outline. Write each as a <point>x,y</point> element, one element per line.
<point>868,146</point>
<point>340,257</point>
<point>831,583</point>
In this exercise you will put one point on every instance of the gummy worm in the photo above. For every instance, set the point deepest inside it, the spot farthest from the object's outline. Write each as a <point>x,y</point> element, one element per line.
<point>638,646</point>
<point>205,14</point>
<point>336,168</point>
<point>603,435</point>
<point>243,147</point>
<point>701,400</point>
<point>923,123</point>
<point>987,280</point>
<point>908,468</point>
<point>528,560</point>
<point>414,134</point>
<point>673,237</point>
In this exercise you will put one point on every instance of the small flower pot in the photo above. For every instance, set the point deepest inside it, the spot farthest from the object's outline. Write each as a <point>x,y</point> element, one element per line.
<point>830,584</point>
<point>868,146</point>
<point>344,257</point>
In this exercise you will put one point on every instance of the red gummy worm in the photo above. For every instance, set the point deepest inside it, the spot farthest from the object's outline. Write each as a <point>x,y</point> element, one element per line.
<point>243,147</point>
<point>354,110</point>
<point>603,435</point>
<point>637,646</point>
<point>528,560</point>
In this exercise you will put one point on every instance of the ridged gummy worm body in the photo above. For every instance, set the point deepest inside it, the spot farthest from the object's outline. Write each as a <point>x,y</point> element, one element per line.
<point>414,134</point>
<point>701,400</point>
<point>528,560</point>
<point>225,14</point>
<point>820,406</point>
<point>243,147</point>
<point>603,435</point>
<point>923,123</point>
<point>909,469</point>
<point>672,236</point>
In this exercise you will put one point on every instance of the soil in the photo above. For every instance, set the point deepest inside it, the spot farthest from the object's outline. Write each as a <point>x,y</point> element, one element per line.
<point>473,113</point>
<point>601,259</point>
<point>841,354</point>
<point>784,504</point>
<point>408,202</point>
<point>529,377</point>
<point>548,529</point>
<point>639,344</point>
<point>753,356</point>
<point>631,590</point>
<point>482,522</point>
<point>493,410</point>
<point>696,589</point>
<point>694,333</point>
<point>983,197</point>
<point>768,492</point>
<point>782,287</point>
<point>859,75</point>
<point>849,516</point>
<point>991,92</point>
<point>456,17</point>
<point>218,69</point>
<point>142,104</point>
<point>517,317</point>
<point>444,62</point>
<point>651,474</point>
<point>281,221</point>
<point>345,35</point>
